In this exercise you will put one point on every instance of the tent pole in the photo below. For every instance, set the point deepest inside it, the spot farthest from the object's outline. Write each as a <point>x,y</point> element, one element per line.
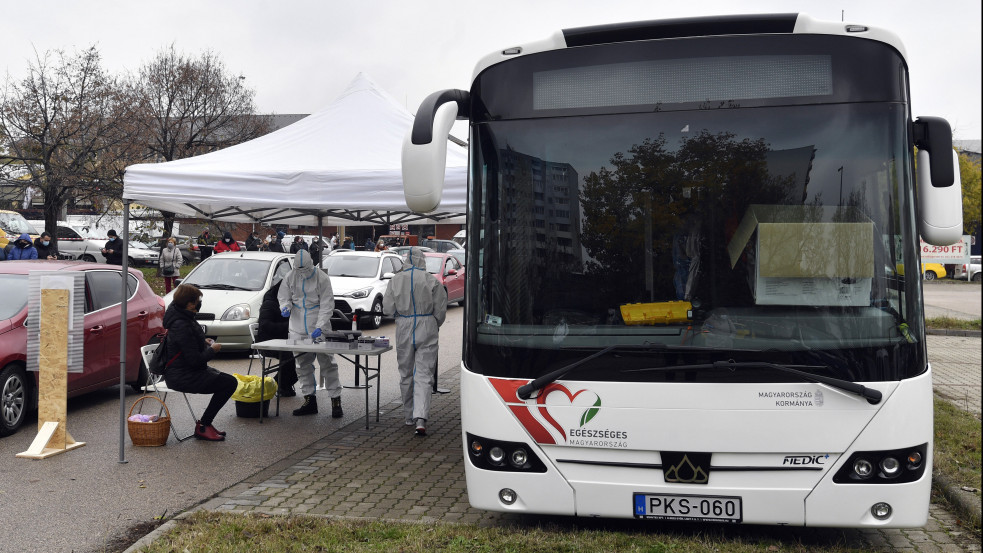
<point>124,293</point>
<point>320,239</point>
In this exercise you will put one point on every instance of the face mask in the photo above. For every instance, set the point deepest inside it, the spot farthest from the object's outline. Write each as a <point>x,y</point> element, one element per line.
<point>228,241</point>
<point>22,244</point>
<point>112,238</point>
<point>198,305</point>
<point>170,246</point>
<point>46,242</point>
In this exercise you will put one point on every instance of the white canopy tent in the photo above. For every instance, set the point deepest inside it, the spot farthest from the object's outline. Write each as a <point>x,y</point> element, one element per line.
<point>341,164</point>
<point>338,166</point>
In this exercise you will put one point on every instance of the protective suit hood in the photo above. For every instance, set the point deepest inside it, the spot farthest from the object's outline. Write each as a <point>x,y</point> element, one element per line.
<point>303,264</point>
<point>417,259</point>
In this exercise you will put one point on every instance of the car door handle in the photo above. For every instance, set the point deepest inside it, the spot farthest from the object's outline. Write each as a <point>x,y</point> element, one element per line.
<point>96,329</point>
<point>142,314</point>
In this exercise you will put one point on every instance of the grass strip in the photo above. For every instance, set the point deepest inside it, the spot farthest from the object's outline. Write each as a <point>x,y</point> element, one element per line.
<point>229,532</point>
<point>949,323</point>
<point>957,445</point>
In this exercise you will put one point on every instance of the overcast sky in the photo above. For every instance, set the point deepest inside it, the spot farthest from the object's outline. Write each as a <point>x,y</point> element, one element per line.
<point>299,55</point>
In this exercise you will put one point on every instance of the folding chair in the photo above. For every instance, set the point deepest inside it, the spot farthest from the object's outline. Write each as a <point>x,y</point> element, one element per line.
<point>268,365</point>
<point>156,383</point>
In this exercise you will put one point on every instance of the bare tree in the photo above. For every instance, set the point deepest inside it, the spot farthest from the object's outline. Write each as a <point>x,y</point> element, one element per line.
<point>64,130</point>
<point>190,106</point>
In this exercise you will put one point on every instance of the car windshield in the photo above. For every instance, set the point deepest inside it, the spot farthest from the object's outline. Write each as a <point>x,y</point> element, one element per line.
<point>15,224</point>
<point>232,271</point>
<point>433,264</point>
<point>352,266</point>
<point>14,298</point>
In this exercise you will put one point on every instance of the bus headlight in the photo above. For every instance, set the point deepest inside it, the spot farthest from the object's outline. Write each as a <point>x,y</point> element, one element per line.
<point>499,455</point>
<point>496,456</point>
<point>862,468</point>
<point>518,458</point>
<point>890,467</point>
<point>895,466</point>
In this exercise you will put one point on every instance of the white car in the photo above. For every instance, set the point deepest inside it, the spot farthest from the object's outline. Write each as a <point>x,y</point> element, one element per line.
<point>359,279</point>
<point>974,269</point>
<point>232,286</point>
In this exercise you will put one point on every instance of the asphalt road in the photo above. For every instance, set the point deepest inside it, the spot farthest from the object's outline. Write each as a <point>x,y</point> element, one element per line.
<point>83,499</point>
<point>949,298</point>
<point>80,500</point>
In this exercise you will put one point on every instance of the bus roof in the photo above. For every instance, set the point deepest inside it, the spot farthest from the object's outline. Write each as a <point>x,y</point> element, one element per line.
<point>660,29</point>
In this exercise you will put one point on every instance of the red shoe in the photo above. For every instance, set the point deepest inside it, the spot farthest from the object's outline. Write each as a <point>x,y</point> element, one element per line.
<point>198,423</point>
<point>209,433</point>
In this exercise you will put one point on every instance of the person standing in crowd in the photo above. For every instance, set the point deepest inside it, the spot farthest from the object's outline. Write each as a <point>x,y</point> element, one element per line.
<point>253,242</point>
<point>298,244</point>
<point>46,250</point>
<point>307,299</point>
<point>205,244</point>
<point>273,326</point>
<point>23,248</point>
<point>334,241</point>
<point>277,244</point>
<point>370,245</point>
<point>170,261</point>
<point>188,353</point>
<point>419,303</point>
<point>113,250</point>
<point>316,248</point>
<point>227,244</point>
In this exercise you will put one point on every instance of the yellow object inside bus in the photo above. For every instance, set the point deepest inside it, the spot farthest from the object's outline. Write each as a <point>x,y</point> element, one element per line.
<point>665,312</point>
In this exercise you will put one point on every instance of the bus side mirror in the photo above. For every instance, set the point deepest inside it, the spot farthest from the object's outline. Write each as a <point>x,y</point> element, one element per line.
<point>424,156</point>
<point>940,204</point>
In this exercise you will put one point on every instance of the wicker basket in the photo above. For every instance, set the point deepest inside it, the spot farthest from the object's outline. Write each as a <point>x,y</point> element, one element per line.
<point>149,433</point>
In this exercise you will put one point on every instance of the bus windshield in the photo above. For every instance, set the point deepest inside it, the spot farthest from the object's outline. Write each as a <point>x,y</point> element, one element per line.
<point>776,234</point>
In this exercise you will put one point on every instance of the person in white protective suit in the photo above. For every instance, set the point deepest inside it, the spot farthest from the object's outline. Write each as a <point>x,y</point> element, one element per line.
<point>418,301</point>
<point>306,297</point>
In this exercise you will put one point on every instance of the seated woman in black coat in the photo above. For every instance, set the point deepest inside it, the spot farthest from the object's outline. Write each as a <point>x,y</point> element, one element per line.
<point>272,326</point>
<point>188,352</point>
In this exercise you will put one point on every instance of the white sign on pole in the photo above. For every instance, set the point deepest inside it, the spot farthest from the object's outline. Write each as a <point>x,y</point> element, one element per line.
<point>952,254</point>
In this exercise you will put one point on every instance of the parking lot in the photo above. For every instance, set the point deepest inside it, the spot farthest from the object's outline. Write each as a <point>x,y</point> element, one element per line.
<point>85,500</point>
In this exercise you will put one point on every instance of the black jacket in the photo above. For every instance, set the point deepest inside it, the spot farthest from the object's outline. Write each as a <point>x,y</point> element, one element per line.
<point>272,324</point>
<point>252,244</point>
<point>115,258</point>
<point>189,370</point>
<point>45,251</point>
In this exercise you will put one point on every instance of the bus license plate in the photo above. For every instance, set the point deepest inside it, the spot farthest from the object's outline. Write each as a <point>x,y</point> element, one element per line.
<point>707,508</point>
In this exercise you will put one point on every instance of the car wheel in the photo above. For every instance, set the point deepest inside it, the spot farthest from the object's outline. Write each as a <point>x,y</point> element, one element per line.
<point>930,275</point>
<point>87,258</point>
<point>375,320</point>
<point>142,378</point>
<point>13,399</point>
<point>976,277</point>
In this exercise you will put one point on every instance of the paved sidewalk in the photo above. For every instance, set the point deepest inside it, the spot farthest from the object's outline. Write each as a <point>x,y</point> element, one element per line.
<point>956,368</point>
<point>387,472</point>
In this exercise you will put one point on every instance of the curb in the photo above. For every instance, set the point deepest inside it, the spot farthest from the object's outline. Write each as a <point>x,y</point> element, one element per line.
<point>154,534</point>
<point>953,332</point>
<point>966,504</point>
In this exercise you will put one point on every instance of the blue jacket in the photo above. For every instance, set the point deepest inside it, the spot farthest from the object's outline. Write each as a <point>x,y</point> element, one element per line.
<point>28,252</point>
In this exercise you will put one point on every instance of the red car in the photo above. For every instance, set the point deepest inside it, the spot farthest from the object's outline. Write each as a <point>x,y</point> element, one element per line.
<point>145,316</point>
<point>450,273</point>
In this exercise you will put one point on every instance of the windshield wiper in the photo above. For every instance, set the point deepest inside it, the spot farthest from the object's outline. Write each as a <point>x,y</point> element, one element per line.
<point>872,396</point>
<point>221,287</point>
<point>525,392</point>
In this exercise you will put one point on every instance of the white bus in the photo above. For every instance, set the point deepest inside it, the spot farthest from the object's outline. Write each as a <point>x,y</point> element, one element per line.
<point>687,296</point>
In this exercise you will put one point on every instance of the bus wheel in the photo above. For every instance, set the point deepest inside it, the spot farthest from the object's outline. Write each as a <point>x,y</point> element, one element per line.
<point>930,275</point>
